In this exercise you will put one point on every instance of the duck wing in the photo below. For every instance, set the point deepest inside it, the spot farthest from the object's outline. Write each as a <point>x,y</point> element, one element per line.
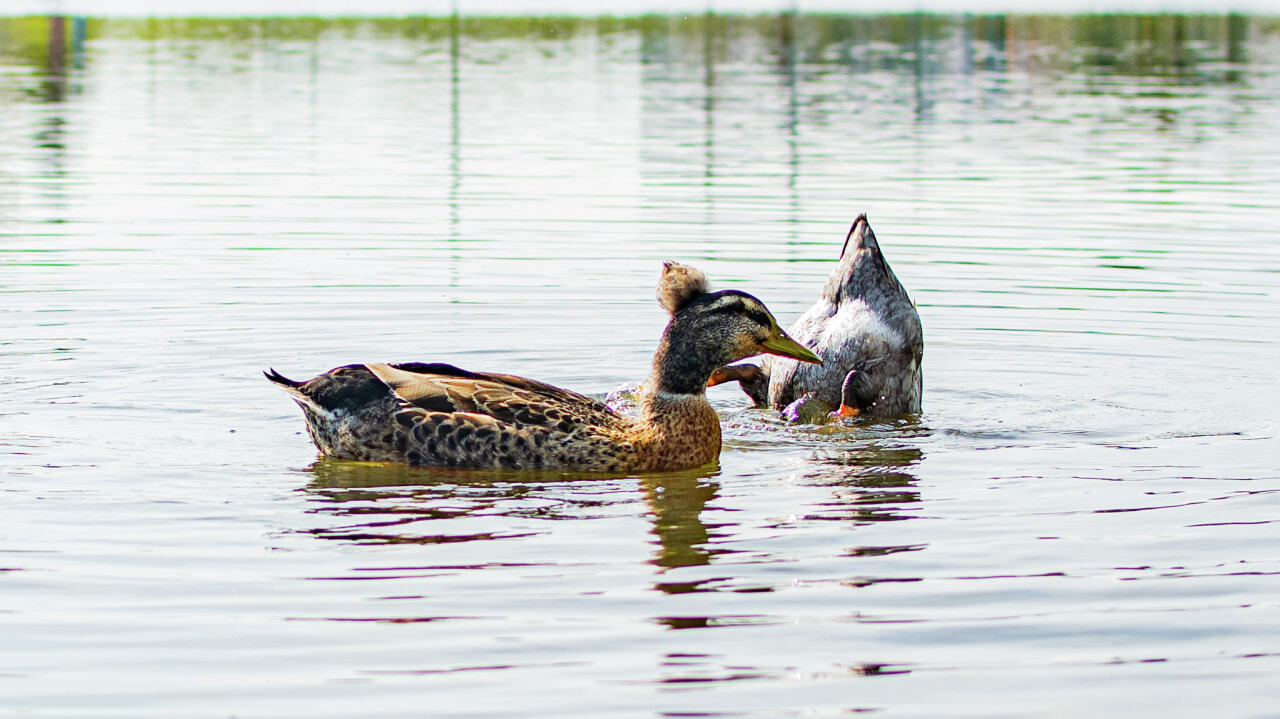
<point>353,388</point>
<point>443,369</point>
<point>454,418</point>
<point>510,399</point>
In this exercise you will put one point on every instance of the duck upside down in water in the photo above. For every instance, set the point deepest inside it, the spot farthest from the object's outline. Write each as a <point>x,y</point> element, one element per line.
<point>867,332</point>
<point>440,415</point>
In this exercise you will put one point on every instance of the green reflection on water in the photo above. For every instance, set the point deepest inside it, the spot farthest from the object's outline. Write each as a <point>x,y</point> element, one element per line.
<point>677,501</point>
<point>1181,46</point>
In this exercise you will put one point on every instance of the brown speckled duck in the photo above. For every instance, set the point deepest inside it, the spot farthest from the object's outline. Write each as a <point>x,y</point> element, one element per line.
<point>867,332</point>
<point>441,415</point>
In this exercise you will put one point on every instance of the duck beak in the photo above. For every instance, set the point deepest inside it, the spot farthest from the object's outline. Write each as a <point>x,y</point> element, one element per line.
<point>782,345</point>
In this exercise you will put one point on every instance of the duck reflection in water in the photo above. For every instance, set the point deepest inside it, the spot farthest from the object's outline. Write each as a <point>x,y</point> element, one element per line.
<point>388,503</point>
<point>677,501</point>
<point>870,484</point>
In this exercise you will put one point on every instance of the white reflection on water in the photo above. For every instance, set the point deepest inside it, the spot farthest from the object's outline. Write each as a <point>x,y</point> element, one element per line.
<point>1083,208</point>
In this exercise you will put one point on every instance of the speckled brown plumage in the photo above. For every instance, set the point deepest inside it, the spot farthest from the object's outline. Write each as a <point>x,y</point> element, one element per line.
<point>441,415</point>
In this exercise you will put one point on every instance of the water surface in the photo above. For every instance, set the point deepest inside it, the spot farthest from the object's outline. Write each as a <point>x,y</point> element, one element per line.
<point>1083,521</point>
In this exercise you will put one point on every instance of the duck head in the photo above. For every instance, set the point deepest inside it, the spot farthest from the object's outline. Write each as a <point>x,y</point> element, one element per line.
<point>709,330</point>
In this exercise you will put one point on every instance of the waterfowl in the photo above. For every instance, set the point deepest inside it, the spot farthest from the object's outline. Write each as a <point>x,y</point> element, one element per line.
<point>437,414</point>
<point>867,332</point>
<point>808,409</point>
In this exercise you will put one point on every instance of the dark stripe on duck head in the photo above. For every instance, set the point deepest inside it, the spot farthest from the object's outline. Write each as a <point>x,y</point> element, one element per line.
<point>733,302</point>
<point>705,335</point>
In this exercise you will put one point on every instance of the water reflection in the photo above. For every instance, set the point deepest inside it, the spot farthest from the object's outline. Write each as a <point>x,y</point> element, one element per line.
<point>796,44</point>
<point>42,43</point>
<point>57,46</point>
<point>398,504</point>
<point>676,502</point>
<point>710,84</point>
<point>868,481</point>
<point>871,483</point>
<point>455,144</point>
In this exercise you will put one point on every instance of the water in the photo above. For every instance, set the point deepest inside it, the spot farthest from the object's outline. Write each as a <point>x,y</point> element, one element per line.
<point>1082,522</point>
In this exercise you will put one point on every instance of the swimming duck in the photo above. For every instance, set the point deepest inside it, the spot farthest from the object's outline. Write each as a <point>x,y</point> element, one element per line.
<point>867,332</point>
<point>437,414</point>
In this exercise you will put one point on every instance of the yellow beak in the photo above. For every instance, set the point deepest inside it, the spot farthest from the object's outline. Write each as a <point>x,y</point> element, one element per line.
<point>780,344</point>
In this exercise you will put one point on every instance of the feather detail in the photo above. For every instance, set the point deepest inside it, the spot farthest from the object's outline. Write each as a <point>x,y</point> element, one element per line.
<point>294,389</point>
<point>411,387</point>
<point>680,284</point>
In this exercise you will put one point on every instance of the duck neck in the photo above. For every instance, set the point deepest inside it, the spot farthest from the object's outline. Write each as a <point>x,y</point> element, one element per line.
<point>682,429</point>
<point>681,368</point>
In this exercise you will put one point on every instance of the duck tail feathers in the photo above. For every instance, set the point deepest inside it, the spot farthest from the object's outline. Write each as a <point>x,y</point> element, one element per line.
<point>866,238</point>
<point>292,387</point>
<point>280,379</point>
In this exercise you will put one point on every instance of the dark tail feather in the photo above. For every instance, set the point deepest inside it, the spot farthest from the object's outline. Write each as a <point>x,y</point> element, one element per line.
<point>862,220</point>
<point>280,379</point>
<point>294,388</point>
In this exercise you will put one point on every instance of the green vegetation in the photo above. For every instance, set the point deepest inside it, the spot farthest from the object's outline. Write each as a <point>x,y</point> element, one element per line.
<point>1108,43</point>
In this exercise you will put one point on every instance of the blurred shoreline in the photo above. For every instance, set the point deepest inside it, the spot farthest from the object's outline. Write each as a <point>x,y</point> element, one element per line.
<point>618,8</point>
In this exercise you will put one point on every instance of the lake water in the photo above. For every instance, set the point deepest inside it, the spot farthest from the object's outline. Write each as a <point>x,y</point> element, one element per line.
<point>1084,521</point>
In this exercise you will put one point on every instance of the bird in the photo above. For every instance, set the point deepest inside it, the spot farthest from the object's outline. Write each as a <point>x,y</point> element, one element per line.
<point>437,414</point>
<point>867,331</point>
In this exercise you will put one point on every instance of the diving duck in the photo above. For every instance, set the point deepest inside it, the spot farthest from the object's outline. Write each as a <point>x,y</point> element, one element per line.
<point>435,414</point>
<point>867,332</point>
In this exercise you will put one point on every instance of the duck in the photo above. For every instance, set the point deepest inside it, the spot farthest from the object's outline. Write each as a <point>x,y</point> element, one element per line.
<point>867,331</point>
<point>440,415</point>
